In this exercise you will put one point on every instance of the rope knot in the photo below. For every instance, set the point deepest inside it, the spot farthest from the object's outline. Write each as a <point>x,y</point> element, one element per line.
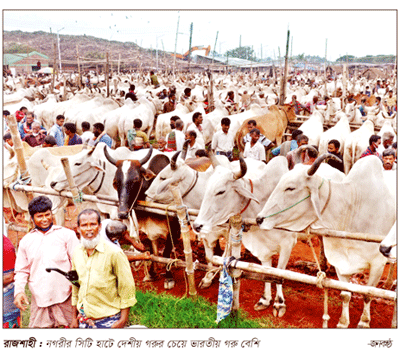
<point>320,277</point>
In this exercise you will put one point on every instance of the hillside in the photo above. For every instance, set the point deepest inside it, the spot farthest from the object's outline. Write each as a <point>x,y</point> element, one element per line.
<point>89,47</point>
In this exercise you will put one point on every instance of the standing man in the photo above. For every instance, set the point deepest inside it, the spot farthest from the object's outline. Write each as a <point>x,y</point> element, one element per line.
<point>107,289</point>
<point>223,140</point>
<point>72,137</point>
<point>86,133</point>
<point>170,105</point>
<point>193,144</point>
<point>333,148</point>
<point>100,136</point>
<point>254,149</point>
<point>57,130</point>
<point>374,142</point>
<point>197,119</point>
<point>46,246</point>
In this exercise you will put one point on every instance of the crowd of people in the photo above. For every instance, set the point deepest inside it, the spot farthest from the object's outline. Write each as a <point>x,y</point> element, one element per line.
<point>60,134</point>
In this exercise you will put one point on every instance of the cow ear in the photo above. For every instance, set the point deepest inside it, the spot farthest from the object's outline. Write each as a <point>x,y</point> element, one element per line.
<point>97,166</point>
<point>147,173</point>
<point>244,192</point>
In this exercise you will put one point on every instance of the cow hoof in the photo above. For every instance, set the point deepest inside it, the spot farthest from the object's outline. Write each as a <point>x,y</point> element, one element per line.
<point>169,284</point>
<point>342,326</point>
<point>259,306</point>
<point>363,325</point>
<point>279,310</point>
<point>148,278</point>
<point>205,283</point>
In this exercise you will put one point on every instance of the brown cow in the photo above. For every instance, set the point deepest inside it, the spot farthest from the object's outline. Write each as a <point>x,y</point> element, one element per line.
<point>272,124</point>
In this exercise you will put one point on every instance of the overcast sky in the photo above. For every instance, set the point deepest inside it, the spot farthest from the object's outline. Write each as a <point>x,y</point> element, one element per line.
<point>353,32</point>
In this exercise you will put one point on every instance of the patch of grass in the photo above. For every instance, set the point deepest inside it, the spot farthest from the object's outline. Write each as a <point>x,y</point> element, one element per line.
<point>155,310</point>
<point>165,311</point>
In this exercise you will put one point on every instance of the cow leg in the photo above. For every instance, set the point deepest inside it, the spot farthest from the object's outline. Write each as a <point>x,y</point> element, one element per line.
<point>169,281</point>
<point>366,315</point>
<point>344,319</point>
<point>266,299</point>
<point>210,249</point>
<point>151,274</point>
<point>374,276</point>
<point>284,255</point>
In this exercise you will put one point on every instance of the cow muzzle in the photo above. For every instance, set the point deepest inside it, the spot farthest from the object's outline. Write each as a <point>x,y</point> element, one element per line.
<point>197,227</point>
<point>259,220</point>
<point>123,215</point>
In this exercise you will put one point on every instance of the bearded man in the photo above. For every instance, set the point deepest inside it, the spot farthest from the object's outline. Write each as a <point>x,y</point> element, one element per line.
<point>46,246</point>
<point>107,289</point>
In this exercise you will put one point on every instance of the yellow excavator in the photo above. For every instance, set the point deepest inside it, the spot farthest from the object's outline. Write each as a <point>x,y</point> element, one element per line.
<point>194,48</point>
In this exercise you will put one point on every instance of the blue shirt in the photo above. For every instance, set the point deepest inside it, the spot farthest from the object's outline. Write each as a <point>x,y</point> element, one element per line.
<point>57,132</point>
<point>277,150</point>
<point>106,139</point>
<point>75,140</point>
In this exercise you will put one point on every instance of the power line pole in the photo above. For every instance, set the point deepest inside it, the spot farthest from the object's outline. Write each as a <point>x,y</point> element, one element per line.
<point>190,44</point>
<point>215,46</point>
<point>284,77</point>
<point>176,42</point>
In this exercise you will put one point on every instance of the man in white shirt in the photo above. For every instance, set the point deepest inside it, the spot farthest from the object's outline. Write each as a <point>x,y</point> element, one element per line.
<point>254,149</point>
<point>176,138</point>
<point>223,140</point>
<point>193,145</point>
<point>197,119</point>
<point>87,134</point>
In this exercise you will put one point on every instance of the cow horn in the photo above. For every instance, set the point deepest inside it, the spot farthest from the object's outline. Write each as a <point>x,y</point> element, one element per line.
<point>213,159</point>
<point>314,167</point>
<point>185,149</point>
<point>147,157</point>
<point>109,158</point>
<point>243,169</point>
<point>173,160</point>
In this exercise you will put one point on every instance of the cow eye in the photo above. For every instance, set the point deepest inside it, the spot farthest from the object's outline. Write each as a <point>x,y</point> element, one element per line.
<point>78,164</point>
<point>221,192</point>
<point>289,189</point>
<point>162,178</point>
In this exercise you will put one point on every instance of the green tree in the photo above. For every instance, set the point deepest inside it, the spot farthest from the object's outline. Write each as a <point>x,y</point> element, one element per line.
<point>242,52</point>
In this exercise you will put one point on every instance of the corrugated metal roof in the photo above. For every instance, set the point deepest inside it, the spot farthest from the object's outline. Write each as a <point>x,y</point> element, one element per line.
<point>237,62</point>
<point>10,59</point>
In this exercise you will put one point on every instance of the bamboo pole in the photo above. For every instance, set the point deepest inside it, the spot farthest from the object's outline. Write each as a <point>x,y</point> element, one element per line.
<point>185,232</point>
<point>79,68</point>
<point>282,96</point>
<point>107,76</point>
<point>19,149</point>
<point>54,69</point>
<point>71,182</point>
<point>303,278</point>
<point>332,233</point>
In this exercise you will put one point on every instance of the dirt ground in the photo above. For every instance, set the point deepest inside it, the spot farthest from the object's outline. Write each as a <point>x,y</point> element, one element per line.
<point>304,302</point>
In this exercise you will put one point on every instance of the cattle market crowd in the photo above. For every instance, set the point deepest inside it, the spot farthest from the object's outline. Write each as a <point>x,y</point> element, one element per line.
<point>234,146</point>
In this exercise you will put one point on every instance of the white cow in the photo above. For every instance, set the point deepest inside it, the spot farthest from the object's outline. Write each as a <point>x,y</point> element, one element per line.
<point>360,203</point>
<point>313,128</point>
<point>145,110</point>
<point>229,193</point>
<point>356,143</point>
<point>339,132</point>
<point>192,184</point>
